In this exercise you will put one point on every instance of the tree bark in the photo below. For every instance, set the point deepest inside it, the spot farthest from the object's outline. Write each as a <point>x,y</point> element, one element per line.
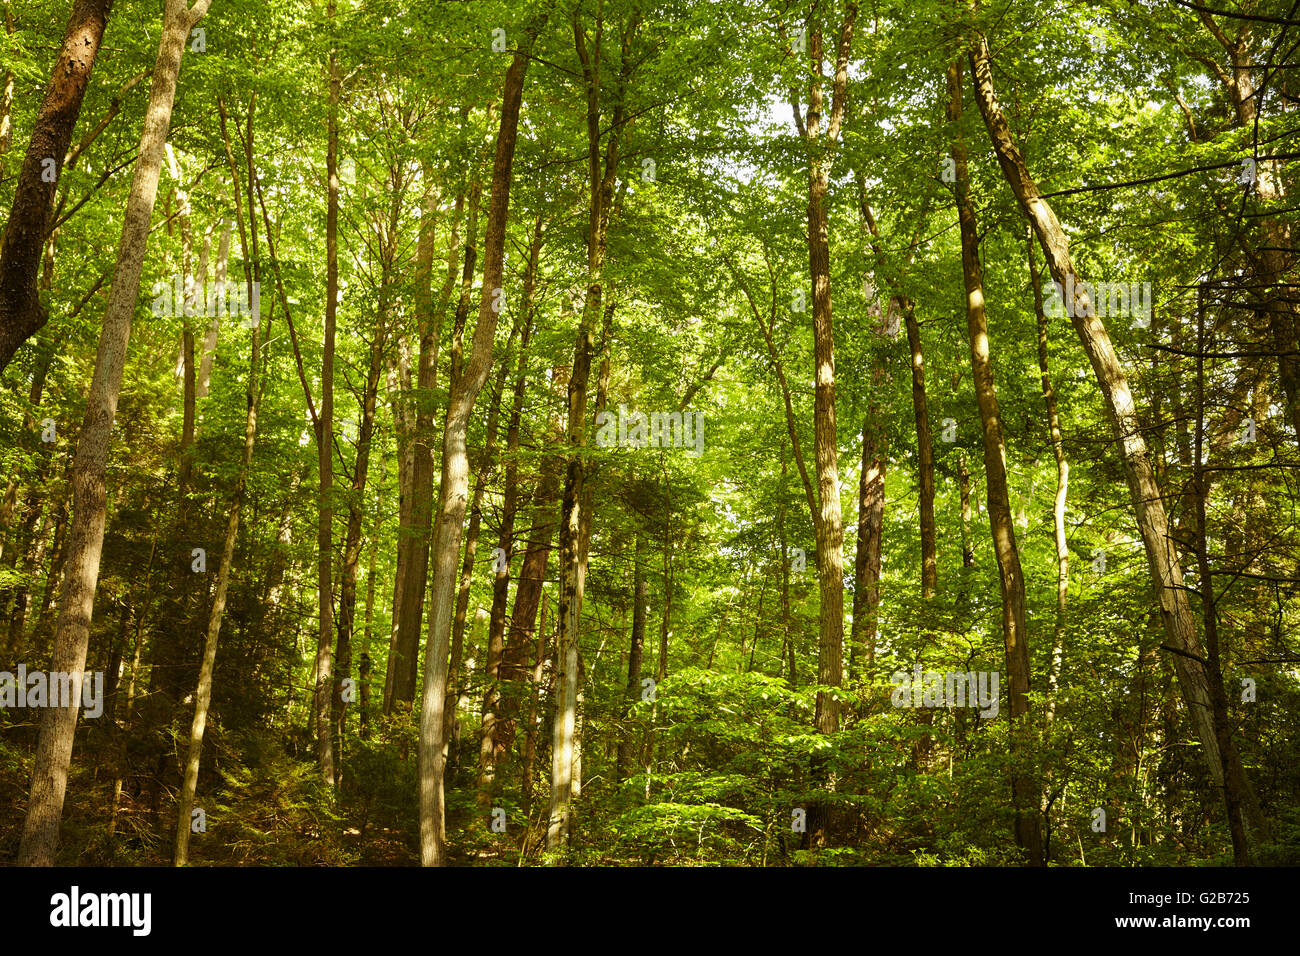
<point>1148,505</point>
<point>21,313</point>
<point>925,458</point>
<point>455,470</point>
<point>573,569</point>
<point>1015,630</point>
<point>505,539</point>
<point>1058,502</point>
<point>203,693</point>
<point>413,574</point>
<point>636,650</point>
<point>830,538</point>
<point>81,569</point>
<point>323,694</point>
<point>871,519</point>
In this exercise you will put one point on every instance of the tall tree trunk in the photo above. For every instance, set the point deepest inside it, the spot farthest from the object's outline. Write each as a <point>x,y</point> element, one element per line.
<point>820,147</point>
<point>455,469</point>
<point>787,646</point>
<point>203,694</point>
<point>871,518</point>
<point>28,546</point>
<point>534,706</point>
<point>364,668</point>
<point>81,569</point>
<point>505,538</point>
<point>1233,782</point>
<point>830,538</point>
<point>925,458</point>
<point>640,601</point>
<point>1015,630</point>
<point>963,477</point>
<point>600,192</point>
<point>514,668</point>
<point>21,313</point>
<point>1062,487</point>
<point>1148,505</point>
<point>356,515</point>
<point>403,663</point>
<point>323,694</point>
<point>485,472</point>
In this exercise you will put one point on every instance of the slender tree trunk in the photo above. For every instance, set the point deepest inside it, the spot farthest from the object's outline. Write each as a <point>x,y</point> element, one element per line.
<point>1148,505</point>
<point>81,571</point>
<point>1233,782</point>
<point>963,476</point>
<point>829,524</point>
<point>866,571</point>
<point>203,694</point>
<point>925,458</point>
<point>640,601</point>
<point>1015,628</point>
<point>505,539</point>
<point>323,696</point>
<point>573,569</point>
<point>403,654</point>
<point>485,472</point>
<point>534,710</point>
<point>356,515</point>
<point>532,576</point>
<point>787,648</point>
<point>28,547</point>
<point>364,668</point>
<point>1058,503</point>
<point>455,470</point>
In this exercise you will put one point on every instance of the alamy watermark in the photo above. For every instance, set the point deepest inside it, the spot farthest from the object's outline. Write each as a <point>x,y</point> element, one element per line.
<point>175,299</point>
<point>75,908</point>
<point>656,430</point>
<point>1115,299</point>
<point>932,689</point>
<point>56,689</point>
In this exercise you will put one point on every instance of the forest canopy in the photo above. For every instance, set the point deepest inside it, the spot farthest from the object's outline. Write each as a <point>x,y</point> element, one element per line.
<point>649,432</point>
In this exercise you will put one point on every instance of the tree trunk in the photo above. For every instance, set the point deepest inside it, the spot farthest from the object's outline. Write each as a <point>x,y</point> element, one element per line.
<point>830,537</point>
<point>413,575</point>
<point>455,471</point>
<point>530,742</point>
<point>866,570</point>
<point>1148,506</point>
<point>532,576</point>
<point>21,313</point>
<point>1015,629</point>
<point>486,469</point>
<point>640,601</point>
<point>925,458</point>
<point>1233,782</point>
<point>356,515</point>
<point>505,539</point>
<point>323,691</point>
<point>573,569</point>
<point>1058,503</point>
<point>81,569</point>
<point>203,694</point>
<point>213,333</point>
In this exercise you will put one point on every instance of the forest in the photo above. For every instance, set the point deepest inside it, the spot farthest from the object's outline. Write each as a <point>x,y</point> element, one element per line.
<point>672,433</point>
